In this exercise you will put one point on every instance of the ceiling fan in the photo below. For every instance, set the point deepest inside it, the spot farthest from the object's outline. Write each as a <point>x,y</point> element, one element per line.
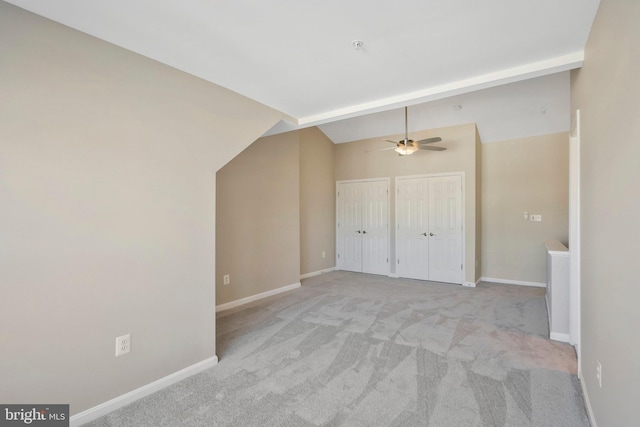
<point>407,146</point>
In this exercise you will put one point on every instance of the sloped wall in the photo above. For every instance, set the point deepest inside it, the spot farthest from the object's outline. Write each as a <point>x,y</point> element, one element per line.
<point>258,219</point>
<point>107,194</point>
<point>317,202</point>
<point>276,214</point>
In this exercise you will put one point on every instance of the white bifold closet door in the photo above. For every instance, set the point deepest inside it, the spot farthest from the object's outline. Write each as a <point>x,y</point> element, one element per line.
<point>429,228</point>
<point>362,222</point>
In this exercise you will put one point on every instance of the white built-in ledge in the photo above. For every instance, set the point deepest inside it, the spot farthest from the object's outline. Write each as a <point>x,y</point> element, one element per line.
<point>556,248</point>
<point>558,290</point>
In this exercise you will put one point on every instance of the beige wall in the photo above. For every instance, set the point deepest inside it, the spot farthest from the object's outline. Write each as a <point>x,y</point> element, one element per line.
<point>107,190</point>
<point>258,219</point>
<point>354,160</point>
<point>276,198</point>
<point>607,92</point>
<point>317,202</point>
<point>532,175</point>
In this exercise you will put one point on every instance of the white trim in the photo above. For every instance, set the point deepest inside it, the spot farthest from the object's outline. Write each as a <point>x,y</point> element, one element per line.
<point>256,297</point>
<point>394,275</point>
<point>587,402</point>
<point>574,235</point>
<point>316,273</point>
<point>501,77</point>
<point>513,282</point>
<point>471,284</point>
<point>354,181</point>
<point>431,175</point>
<point>130,397</point>
<point>556,336</point>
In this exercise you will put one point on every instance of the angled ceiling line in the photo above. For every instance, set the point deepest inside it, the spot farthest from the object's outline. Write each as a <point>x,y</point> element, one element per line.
<point>485,81</point>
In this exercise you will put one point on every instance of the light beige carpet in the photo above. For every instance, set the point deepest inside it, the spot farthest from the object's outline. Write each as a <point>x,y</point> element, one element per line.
<point>351,349</point>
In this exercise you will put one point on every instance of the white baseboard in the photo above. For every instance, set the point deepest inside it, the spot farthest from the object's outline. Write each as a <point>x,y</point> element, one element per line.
<point>513,282</point>
<point>317,273</point>
<point>256,297</point>
<point>587,402</point>
<point>394,275</point>
<point>556,336</point>
<point>130,397</point>
<point>470,284</point>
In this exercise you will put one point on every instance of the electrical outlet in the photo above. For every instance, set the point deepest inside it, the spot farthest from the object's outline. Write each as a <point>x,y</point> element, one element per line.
<point>226,279</point>
<point>536,218</point>
<point>599,373</point>
<point>324,254</point>
<point>123,345</point>
<point>526,215</point>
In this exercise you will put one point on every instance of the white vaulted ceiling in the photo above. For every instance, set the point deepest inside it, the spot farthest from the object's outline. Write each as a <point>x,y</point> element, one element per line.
<point>297,56</point>
<point>526,108</point>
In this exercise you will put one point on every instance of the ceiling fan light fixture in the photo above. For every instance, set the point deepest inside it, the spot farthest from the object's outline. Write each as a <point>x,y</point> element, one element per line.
<point>405,150</point>
<point>406,146</point>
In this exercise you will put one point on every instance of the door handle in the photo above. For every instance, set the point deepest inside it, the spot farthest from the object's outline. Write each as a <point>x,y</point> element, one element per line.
<point>431,234</point>
<point>364,232</point>
<point>358,231</point>
<point>422,234</point>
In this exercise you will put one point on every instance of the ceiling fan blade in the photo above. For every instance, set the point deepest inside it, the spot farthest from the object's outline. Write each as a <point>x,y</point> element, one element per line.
<point>381,149</point>
<point>429,140</point>
<point>408,146</point>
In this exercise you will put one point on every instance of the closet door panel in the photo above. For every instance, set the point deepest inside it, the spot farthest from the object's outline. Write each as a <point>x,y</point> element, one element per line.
<point>412,229</point>
<point>445,229</point>
<point>375,227</point>
<point>362,221</point>
<point>349,227</point>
